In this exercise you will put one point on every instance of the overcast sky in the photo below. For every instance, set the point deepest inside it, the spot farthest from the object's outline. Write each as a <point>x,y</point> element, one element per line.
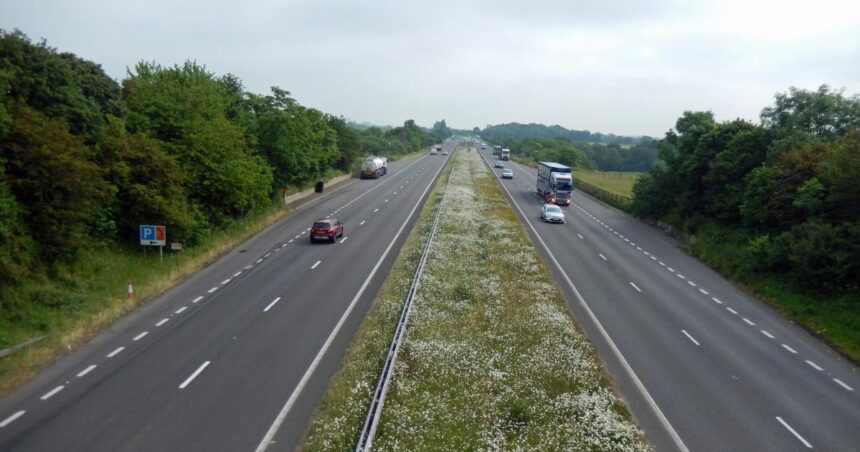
<point>627,67</point>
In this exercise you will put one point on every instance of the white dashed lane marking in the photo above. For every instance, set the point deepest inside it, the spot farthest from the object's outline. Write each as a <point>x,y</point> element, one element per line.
<point>11,418</point>
<point>86,371</point>
<point>767,334</point>
<point>274,302</point>
<point>181,310</point>
<point>315,265</point>
<point>635,287</point>
<point>814,366</point>
<point>140,336</point>
<point>116,351</point>
<point>690,337</point>
<point>842,383</point>
<point>162,322</point>
<point>194,375</point>
<point>51,393</point>
<point>198,298</point>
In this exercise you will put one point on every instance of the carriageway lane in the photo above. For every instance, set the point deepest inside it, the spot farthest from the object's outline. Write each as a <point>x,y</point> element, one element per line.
<point>133,400</point>
<point>711,356</point>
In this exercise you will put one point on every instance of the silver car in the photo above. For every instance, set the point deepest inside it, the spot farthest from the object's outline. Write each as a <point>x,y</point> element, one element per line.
<point>552,213</point>
<point>507,174</point>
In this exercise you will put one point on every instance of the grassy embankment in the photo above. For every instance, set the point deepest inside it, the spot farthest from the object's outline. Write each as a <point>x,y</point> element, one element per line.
<point>84,298</point>
<point>491,358</point>
<point>836,318</point>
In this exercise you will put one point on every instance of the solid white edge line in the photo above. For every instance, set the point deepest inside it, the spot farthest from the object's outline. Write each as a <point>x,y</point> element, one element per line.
<point>842,383</point>
<point>115,352</point>
<point>86,371</point>
<point>691,338</point>
<point>679,443</point>
<point>11,418</point>
<point>197,299</point>
<point>635,287</point>
<point>140,336</point>
<point>315,265</point>
<point>275,301</point>
<point>796,435</point>
<point>51,393</point>
<point>194,375</point>
<point>264,443</point>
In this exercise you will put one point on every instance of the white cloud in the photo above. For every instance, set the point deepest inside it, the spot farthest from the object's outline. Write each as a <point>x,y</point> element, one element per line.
<point>620,66</point>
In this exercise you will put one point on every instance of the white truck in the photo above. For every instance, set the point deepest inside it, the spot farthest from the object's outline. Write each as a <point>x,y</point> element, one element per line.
<point>505,154</point>
<point>374,167</point>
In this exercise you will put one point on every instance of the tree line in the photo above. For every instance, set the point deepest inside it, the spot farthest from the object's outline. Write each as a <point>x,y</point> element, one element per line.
<point>581,148</point>
<point>784,192</point>
<point>84,160</point>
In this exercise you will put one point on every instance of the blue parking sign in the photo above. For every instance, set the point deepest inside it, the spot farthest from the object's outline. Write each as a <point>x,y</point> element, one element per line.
<point>152,235</point>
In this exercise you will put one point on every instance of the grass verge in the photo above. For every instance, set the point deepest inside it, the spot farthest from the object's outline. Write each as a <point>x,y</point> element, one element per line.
<point>835,318</point>
<point>491,357</point>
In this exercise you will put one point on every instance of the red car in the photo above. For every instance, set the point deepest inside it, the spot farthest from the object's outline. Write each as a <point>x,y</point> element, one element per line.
<point>326,229</point>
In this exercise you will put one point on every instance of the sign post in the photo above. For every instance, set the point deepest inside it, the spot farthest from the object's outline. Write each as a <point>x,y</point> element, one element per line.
<point>154,236</point>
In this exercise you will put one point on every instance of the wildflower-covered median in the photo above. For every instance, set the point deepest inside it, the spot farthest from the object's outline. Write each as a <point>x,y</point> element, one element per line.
<point>491,359</point>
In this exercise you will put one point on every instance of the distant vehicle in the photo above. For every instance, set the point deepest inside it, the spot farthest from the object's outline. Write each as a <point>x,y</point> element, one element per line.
<point>498,165</point>
<point>374,167</point>
<point>326,229</point>
<point>444,152</point>
<point>433,151</point>
<point>551,213</point>
<point>505,154</point>
<point>554,183</point>
<point>483,147</point>
<point>497,150</point>
<point>507,173</point>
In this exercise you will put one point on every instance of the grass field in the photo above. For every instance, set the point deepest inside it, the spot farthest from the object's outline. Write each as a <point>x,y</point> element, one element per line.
<point>620,183</point>
<point>491,359</point>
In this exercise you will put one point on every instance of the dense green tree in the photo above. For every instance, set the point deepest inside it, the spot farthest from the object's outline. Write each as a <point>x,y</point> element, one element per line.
<point>347,143</point>
<point>440,130</point>
<point>186,108</point>
<point>840,175</point>
<point>149,184</point>
<point>52,174</point>
<point>58,86</point>
<point>16,245</point>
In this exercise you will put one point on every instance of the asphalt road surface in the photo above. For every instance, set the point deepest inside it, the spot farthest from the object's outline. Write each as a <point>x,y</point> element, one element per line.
<point>702,365</point>
<point>237,357</point>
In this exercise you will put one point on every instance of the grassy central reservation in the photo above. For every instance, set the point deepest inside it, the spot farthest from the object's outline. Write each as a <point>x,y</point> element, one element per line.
<point>491,359</point>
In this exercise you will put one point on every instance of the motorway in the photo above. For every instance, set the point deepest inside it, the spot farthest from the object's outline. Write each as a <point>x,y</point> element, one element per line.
<point>702,365</point>
<point>237,357</point>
